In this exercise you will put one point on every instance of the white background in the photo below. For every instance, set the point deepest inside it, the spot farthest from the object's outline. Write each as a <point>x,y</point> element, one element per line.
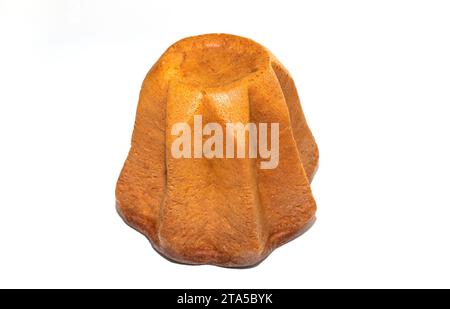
<point>374,80</point>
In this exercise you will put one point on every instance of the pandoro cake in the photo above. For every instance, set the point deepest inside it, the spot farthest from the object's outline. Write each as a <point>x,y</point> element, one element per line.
<point>221,155</point>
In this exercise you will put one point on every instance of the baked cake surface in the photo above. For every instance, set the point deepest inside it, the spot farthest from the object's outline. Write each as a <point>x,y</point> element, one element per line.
<point>222,211</point>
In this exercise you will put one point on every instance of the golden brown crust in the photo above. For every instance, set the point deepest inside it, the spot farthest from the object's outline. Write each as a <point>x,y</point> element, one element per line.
<point>224,212</point>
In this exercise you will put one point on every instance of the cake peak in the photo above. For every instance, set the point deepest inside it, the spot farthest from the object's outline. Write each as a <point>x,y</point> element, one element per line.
<point>216,60</point>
